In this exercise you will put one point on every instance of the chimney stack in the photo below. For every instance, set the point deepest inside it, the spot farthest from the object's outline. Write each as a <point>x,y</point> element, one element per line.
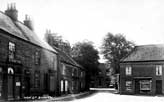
<point>28,22</point>
<point>12,12</point>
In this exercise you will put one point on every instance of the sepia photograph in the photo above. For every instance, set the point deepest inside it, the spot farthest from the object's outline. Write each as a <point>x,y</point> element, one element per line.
<point>81,51</point>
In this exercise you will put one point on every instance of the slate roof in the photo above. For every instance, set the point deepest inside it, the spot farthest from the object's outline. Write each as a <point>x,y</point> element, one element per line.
<point>66,58</point>
<point>146,53</point>
<point>18,29</point>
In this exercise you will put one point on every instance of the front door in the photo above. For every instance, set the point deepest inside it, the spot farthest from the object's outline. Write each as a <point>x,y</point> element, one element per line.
<point>137,87</point>
<point>158,86</point>
<point>17,87</point>
<point>10,87</point>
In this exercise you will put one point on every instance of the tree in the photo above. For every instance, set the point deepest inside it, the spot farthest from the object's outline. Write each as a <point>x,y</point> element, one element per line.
<point>87,56</point>
<point>114,48</point>
<point>55,40</point>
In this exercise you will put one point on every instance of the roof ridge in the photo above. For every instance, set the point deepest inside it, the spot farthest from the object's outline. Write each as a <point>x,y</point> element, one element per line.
<point>150,45</point>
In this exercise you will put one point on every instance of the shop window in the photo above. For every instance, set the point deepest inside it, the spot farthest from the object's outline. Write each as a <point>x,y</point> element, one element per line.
<point>128,70</point>
<point>11,51</point>
<point>145,85</point>
<point>36,79</point>
<point>158,70</point>
<point>128,85</point>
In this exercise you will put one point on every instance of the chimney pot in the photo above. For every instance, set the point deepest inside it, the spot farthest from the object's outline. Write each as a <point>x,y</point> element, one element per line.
<point>12,12</point>
<point>28,22</point>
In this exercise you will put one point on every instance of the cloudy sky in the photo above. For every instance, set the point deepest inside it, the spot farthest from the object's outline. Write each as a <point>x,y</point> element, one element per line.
<point>141,21</point>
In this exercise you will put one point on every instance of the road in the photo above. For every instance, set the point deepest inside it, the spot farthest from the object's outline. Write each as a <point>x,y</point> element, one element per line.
<point>110,96</point>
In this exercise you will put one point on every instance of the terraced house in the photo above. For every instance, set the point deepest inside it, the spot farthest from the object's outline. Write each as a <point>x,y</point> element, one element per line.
<point>71,75</point>
<point>29,66</point>
<point>142,71</point>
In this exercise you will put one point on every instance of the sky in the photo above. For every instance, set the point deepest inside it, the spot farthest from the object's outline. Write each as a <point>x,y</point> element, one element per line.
<point>141,21</point>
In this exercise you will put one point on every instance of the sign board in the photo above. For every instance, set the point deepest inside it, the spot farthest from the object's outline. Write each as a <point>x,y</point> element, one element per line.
<point>18,84</point>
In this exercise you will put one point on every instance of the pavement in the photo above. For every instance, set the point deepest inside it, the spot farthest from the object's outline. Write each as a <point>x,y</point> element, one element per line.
<point>70,97</point>
<point>101,95</point>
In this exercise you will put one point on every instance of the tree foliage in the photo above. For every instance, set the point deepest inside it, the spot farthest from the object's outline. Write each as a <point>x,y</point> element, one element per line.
<point>57,41</point>
<point>114,48</point>
<point>87,56</point>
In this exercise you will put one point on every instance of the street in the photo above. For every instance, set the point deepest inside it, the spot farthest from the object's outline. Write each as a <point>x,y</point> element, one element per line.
<point>109,96</point>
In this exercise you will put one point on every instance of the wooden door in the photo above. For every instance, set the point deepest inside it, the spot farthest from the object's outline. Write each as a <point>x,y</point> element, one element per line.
<point>17,87</point>
<point>10,86</point>
<point>158,86</point>
<point>137,87</point>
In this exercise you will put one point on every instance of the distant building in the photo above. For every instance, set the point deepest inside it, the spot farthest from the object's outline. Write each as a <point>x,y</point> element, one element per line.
<point>71,75</point>
<point>142,71</point>
<point>102,79</point>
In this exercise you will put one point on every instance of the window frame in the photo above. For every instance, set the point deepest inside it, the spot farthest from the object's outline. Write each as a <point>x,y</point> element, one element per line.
<point>63,69</point>
<point>147,82</point>
<point>11,50</point>
<point>37,57</point>
<point>158,70</point>
<point>128,70</point>
<point>128,85</point>
<point>37,79</point>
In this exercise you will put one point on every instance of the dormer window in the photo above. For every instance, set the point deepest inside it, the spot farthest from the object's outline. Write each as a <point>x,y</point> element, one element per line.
<point>128,70</point>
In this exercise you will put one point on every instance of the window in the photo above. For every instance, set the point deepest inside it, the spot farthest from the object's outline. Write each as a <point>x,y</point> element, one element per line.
<point>73,85</point>
<point>81,74</point>
<point>128,85</point>
<point>74,72</point>
<point>128,70</point>
<point>61,86</point>
<point>145,85</point>
<point>36,79</point>
<point>55,62</point>
<point>11,51</point>
<point>66,85</point>
<point>37,57</point>
<point>158,70</point>
<point>63,69</point>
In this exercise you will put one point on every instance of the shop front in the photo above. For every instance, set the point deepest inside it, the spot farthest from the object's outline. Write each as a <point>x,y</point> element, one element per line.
<point>143,86</point>
<point>10,81</point>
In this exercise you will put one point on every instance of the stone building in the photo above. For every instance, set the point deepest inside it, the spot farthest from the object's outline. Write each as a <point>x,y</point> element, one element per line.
<point>141,72</point>
<point>71,75</point>
<point>28,66</point>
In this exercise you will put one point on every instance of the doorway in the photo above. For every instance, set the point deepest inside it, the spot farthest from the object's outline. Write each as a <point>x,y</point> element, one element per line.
<point>158,86</point>
<point>10,87</point>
